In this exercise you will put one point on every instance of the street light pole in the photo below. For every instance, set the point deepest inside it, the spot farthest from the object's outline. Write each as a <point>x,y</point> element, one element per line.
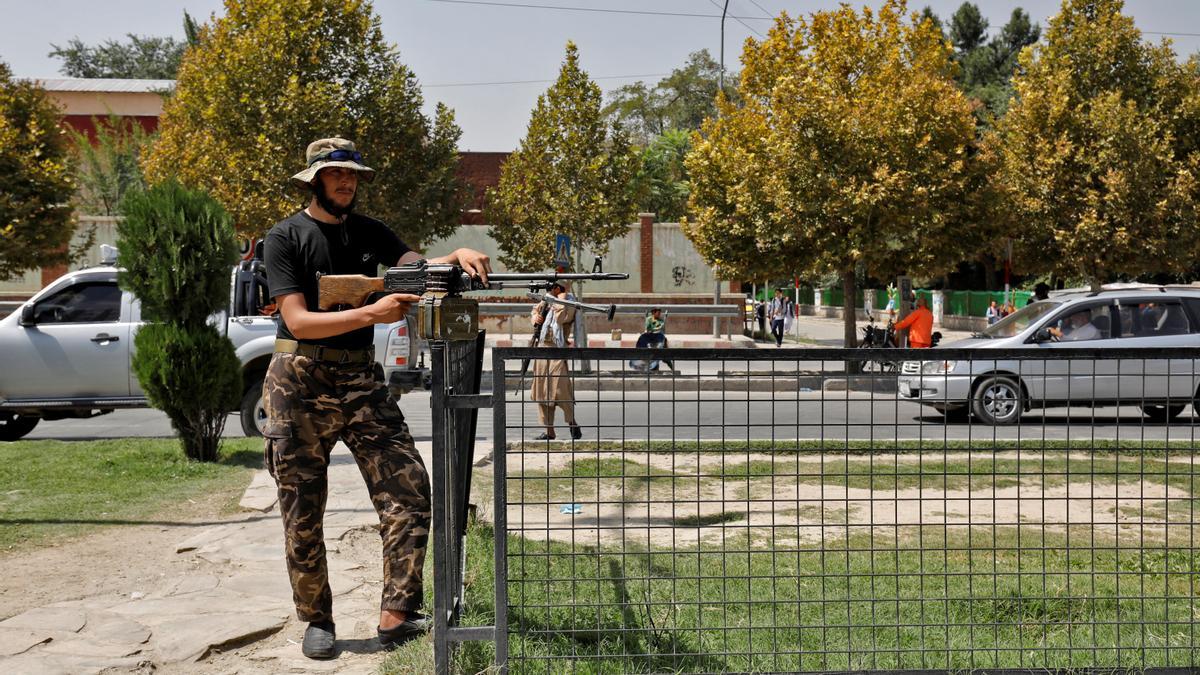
<point>721,76</point>
<point>721,88</point>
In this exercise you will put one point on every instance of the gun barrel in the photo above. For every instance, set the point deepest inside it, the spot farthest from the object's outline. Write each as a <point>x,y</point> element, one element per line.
<point>555,276</point>
<point>607,310</point>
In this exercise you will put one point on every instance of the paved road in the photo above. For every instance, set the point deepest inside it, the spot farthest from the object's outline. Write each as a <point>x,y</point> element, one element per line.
<point>716,415</point>
<point>728,414</point>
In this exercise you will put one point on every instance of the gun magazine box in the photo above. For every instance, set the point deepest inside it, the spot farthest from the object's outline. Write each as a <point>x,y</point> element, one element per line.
<point>448,319</point>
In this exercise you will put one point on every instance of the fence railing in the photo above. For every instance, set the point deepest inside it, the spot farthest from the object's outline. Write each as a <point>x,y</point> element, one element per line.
<point>732,314</point>
<point>775,511</point>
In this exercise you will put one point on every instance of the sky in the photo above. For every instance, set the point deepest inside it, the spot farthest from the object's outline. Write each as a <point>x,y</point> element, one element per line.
<point>490,62</point>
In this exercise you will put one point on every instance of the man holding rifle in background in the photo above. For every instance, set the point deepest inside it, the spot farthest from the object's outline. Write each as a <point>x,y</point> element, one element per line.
<point>552,387</point>
<point>323,385</point>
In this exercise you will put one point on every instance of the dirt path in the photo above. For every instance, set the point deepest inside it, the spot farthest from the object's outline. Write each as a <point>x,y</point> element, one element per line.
<point>115,560</point>
<point>193,594</point>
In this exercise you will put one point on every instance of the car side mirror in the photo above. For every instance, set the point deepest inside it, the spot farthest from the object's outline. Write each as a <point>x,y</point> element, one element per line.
<point>1042,335</point>
<point>26,315</point>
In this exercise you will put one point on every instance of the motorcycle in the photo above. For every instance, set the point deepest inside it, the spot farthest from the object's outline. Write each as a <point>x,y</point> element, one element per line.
<point>875,337</point>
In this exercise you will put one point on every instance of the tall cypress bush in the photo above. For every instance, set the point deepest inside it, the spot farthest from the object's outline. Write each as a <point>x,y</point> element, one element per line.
<point>176,251</point>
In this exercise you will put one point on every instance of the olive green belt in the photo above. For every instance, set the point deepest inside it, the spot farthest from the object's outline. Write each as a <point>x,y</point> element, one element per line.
<point>323,353</point>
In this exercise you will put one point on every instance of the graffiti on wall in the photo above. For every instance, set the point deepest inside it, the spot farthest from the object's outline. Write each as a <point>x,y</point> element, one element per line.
<point>682,275</point>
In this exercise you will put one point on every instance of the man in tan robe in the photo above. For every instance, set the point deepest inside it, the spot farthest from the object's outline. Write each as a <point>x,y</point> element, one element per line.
<point>552,386</point>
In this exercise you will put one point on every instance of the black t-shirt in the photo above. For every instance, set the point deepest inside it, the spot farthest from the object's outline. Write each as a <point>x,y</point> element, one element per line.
<point>300,247</point>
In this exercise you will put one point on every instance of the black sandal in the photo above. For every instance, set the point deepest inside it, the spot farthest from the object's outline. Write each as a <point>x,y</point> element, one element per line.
<point>413,626</point>
<point>543,437</point>
<point>319,640</point>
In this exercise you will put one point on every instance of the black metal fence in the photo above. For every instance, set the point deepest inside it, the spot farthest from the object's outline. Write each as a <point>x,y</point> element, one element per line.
<point>782,510</point>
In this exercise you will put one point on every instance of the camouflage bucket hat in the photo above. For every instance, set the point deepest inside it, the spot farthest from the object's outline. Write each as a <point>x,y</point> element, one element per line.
<point>331,152</point>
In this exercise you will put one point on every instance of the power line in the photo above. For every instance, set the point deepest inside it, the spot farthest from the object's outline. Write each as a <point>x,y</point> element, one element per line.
<point>761,9</point>
<point>1157,32</point>
<point>698,15</point>
<point>601,10</point>
<point>714,3</point>
<point>504,82</point>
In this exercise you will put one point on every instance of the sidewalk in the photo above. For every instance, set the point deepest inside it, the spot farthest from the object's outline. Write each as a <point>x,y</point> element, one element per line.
<point>821,332</point>
<point>807,333</point>
<point>628,341</point>
<point>233,611</point>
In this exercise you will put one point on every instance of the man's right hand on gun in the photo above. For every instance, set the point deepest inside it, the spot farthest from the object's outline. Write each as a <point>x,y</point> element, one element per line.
<point>391,307</point>
<point>306,325</point>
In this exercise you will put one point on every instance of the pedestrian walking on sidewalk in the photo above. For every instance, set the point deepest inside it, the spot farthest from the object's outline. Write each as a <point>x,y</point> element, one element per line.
<point>323,385</point>
<point>993,313</point>
<point>779,310</point>
<point>552,384</point>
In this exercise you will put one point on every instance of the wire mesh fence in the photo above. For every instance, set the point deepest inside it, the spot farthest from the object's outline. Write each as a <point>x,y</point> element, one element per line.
<point>796,510</point>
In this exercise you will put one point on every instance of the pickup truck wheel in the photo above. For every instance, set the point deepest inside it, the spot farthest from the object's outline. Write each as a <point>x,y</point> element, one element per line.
<point>997,401</point>
<point>14,426</point>
<point>254,415</point>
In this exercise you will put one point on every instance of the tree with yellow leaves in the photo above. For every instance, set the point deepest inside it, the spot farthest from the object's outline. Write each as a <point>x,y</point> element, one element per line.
<point>269,77</point>
<point>1099,149</point>
<point>852,146</point>
<point>36,223</point>
<point>572,174</point>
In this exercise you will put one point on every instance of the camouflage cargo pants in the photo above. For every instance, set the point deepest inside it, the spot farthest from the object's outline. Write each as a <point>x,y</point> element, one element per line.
<point>310,405</point>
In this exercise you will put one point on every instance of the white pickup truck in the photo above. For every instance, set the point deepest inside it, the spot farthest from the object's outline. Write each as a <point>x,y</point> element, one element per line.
<point>66,352</point>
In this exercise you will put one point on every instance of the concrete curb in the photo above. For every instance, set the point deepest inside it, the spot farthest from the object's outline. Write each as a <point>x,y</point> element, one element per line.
<point>261,494</point>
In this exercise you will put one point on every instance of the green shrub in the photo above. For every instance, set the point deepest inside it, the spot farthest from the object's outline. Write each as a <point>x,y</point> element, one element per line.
<point>176,250</point>
<point>190,373</point>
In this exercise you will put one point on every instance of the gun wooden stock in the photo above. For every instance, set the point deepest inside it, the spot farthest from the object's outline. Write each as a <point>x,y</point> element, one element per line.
<point>346,289</point>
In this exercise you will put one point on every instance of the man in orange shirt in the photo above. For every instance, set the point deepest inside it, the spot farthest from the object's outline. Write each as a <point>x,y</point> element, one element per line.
<point>920,326</point>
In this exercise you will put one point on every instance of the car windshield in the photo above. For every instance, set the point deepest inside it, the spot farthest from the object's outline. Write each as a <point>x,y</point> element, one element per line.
<point>1018,321</point>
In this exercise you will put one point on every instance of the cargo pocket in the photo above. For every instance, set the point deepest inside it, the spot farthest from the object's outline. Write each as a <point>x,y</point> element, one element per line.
<point>278,435</point>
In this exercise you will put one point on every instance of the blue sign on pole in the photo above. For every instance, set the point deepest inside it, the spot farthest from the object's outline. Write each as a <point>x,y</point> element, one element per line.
<point>562,250</point>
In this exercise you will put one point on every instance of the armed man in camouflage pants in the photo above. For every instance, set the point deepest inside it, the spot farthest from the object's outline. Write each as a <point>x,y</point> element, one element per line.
<point>323,385</point>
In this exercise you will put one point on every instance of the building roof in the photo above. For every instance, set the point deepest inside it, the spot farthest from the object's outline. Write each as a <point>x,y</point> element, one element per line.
<point>106,85</point>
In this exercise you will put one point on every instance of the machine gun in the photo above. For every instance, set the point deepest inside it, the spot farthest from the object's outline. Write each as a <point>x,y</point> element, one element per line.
<point>442,313</point>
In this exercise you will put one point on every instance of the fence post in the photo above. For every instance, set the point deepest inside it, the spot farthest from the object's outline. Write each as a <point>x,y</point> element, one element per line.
<point>456,372</point>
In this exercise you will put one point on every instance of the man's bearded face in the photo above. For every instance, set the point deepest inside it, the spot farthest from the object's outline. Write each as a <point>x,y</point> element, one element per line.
<point>336,190</point>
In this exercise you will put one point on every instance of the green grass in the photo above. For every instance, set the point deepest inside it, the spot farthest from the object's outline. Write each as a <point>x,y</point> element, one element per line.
<point>58,489</point>
<point>584,479</point>
<point>954,605</point>
<point>581,478</point>
<point>1149,448</point>
<point>986,472</point>
<point>898,597</point>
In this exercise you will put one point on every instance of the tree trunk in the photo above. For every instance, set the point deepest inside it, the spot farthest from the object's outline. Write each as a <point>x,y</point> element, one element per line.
<point>989,272</point>
<point>1096,285</point>
<point>199,433</point>
<point>849,309</point>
